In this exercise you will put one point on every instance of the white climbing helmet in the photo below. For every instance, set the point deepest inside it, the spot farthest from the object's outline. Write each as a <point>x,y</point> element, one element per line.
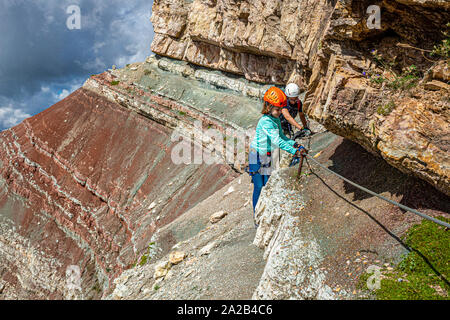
<point>292,90</point>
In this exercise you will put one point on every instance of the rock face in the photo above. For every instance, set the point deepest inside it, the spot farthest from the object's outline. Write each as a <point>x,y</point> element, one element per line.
<point>407,127</point>
<point>219,262</point>
<point>87,182</point>
<point>326,47</point>
<point>261,40</point>
<point>89,187</point>
<point>319,234</point>
<point>316,236</point>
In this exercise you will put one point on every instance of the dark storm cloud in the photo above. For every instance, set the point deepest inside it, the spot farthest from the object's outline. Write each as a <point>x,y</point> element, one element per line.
<point>41,60</point>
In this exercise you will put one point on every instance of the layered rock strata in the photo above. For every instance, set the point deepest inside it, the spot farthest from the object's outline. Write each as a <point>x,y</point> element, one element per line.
<point>86,183</point>
<point>336,51</point>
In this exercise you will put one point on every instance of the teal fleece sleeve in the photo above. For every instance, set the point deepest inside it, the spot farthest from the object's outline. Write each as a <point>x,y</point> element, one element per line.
<point>273,130</point>
<point>282,136</point>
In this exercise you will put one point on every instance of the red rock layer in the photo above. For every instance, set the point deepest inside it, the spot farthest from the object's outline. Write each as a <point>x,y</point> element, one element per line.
<point>76,183</point>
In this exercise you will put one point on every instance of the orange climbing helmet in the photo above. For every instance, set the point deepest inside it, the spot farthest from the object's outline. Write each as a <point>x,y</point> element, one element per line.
<point>275,97</point>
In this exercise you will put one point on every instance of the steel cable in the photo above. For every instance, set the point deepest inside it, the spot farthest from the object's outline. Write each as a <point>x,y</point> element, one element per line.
<point>442,223</point>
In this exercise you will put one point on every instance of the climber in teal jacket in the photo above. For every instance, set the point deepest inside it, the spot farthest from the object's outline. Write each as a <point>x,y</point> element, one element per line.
<point>269,135</point>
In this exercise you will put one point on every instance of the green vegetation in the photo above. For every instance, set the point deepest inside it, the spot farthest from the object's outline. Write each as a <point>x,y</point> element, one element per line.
<point>196,288</point>
<point>377,79</point>
<point>383,63</point>
<point>97,288</point>
<point>115,83</point>
<point>406,80</point>
<point>145,258</point>
<point>409,76</point>
<point>384,110</point>
<point>181,113</point>
<point>443,49</point>
<point>425,272</point>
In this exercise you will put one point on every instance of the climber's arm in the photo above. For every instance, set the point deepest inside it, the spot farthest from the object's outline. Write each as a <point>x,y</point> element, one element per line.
<point>291,120</point>
<point>303,118</point>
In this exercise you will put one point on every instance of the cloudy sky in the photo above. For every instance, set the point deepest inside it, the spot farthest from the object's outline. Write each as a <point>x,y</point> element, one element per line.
<point>42,60</point>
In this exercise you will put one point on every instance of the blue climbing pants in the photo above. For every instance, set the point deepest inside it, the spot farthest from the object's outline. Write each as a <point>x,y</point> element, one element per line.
<point>259,181</point>
<point>259,170</point>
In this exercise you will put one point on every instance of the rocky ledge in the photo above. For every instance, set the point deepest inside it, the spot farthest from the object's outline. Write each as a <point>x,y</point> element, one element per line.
<point>316,237</point>
<point>373,82</point>
<point>320,234</point>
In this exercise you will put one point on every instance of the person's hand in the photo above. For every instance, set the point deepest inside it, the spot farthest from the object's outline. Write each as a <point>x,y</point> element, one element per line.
<point>301,152</point>
<point>308,131</point>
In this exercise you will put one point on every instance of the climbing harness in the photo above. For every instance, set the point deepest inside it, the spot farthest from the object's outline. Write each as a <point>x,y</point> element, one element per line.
<point>293,111</point>
<point>259,169</point>
<point>259,163</point>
